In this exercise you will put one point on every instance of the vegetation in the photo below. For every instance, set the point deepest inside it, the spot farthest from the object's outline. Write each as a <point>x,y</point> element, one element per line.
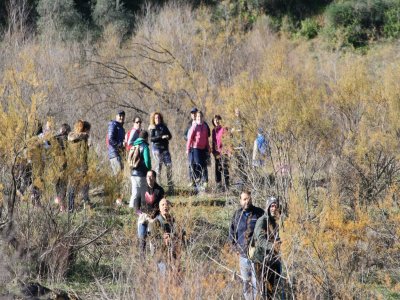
<point>331,116</point>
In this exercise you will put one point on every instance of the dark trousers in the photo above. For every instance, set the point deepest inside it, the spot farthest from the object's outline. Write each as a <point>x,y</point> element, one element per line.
<point>222,170</point>
<point>198,164</point>
<point>268,277</point>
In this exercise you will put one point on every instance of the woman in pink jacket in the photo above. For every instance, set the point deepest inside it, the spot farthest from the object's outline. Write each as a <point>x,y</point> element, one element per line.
<point>221,154</point>
<point>198,149</point>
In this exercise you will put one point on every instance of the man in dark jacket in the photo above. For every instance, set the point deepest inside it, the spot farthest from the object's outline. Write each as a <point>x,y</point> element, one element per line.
<point>240,234</point>
<point>267,248</point>
<point>115,142</point>
<point>148,208</point>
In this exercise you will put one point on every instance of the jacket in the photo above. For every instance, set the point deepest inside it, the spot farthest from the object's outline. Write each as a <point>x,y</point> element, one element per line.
<point>198,137</point>
<point>116,135</point>
<point>266,233</point>
<point>218,134</point>
<point>242,228</point>
<point>78,150</point>
<point>156,133</point>
<point>145,160</point>
<point>130,138</point>
<point>153,196</point>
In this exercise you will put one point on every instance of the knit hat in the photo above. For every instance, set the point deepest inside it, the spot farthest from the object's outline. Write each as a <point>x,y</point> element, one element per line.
<point>271,200</point>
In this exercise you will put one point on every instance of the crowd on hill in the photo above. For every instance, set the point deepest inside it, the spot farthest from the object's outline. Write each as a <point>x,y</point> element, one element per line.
<point>254,234</point>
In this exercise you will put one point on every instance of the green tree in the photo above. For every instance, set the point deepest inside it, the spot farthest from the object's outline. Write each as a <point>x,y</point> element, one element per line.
<point>59,18</point>
<point>112,12</point>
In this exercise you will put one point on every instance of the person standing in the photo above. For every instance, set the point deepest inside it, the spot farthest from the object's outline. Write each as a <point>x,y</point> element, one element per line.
<point>267,249</point>
<point>115,142</point>
<point>132,135</point>
<point>198,149</point>
<point>78,151</point>
<point>160,137</point>
<point>240,234</point>
<point>261,149</point>
<point>221,154</point>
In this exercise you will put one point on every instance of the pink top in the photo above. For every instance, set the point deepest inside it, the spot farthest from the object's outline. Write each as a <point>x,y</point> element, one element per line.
<point>217,134</point>
<point>198,137</point>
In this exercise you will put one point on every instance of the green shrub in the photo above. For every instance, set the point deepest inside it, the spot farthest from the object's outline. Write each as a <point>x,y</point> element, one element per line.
<point>391,28</point>
<point>309,28</point>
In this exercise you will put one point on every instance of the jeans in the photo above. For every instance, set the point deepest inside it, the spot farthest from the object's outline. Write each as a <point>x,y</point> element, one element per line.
<point>163,157</point>
<point>139,186</point>
<point>117,165</point>
<point>198,163</point>
<point>248,274</point>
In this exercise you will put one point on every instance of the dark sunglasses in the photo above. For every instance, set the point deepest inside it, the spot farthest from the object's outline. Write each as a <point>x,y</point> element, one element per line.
<point>138,122</point>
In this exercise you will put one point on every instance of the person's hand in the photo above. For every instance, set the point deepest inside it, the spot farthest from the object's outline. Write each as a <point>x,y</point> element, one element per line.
<point>165,136</point>
<point>167,238</point>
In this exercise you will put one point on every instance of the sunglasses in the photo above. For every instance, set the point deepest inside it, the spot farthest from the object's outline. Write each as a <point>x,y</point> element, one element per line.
<point>138,122</point>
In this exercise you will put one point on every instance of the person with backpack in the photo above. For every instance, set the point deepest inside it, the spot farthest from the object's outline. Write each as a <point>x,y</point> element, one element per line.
<point>267,249</point>
<point>140,163</point>
<point>198,149</point>
<point>240,235</point>
<point>132,135</point>
<point>148,208</point>
<point>220,153</point>
<point>160,137</point>
<point>115,142</point>
<point>261,149</point>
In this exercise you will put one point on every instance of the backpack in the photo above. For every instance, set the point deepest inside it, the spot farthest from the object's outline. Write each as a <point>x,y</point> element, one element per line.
<point>134,157</point>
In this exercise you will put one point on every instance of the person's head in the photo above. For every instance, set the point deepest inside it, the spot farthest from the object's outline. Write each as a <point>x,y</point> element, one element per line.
<point>164,206</point>
<point>217,120</point>
<point>272,206</point>
<point>144,135</point>
<point>64,129</point>
<point>199,117</point>
<point>78,127</point>
<point>120,117</point>
<point>137,122</point>
<point>151,177</point>
<point>156,118</point>
<point>193,113</point>
<point>245,199</point>
<point>86,126</point>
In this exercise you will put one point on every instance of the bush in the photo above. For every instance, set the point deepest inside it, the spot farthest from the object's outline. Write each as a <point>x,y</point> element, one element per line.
<point>309,28</point>
<point>391,28</point>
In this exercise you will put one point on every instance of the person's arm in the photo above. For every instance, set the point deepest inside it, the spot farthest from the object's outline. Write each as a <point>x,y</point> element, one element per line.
<point>146,156</point>
<point>190,138</point>
<point>131,137</point>
<point>168,133</point>
<point>112,136</point>
<point>232,232</point>
<point>261,234</point>
<point>155,135</point>
<point>214,142</point>
<point>76,137</point>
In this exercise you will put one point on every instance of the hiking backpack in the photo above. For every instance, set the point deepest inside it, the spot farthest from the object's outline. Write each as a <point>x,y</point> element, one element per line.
<point>134,157</point>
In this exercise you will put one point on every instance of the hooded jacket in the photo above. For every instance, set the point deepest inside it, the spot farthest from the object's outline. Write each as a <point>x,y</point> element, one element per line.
<point>266,232</point>
<point>116,136</point>
<point>145,160</point>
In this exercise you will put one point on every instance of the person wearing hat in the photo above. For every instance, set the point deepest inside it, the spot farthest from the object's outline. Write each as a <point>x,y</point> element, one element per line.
<point>267,248</point>
<point>115,142</point>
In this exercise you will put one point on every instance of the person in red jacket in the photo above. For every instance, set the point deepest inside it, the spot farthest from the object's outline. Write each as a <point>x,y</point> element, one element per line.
<point>198,149</point>
<point>221,153</point>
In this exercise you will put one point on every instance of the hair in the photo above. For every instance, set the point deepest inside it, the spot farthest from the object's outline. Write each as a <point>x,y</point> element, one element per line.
<point>78,127</point>
<point>82,126</point>
<point>199,113</point>
<point>144,134</point>
<point>169,202</point>
<point>137,117</point>
<point>65,129</point>
<point>153,118</point>
<point>153,172</point>
<point>216,117</point>
<point>247,192</point>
